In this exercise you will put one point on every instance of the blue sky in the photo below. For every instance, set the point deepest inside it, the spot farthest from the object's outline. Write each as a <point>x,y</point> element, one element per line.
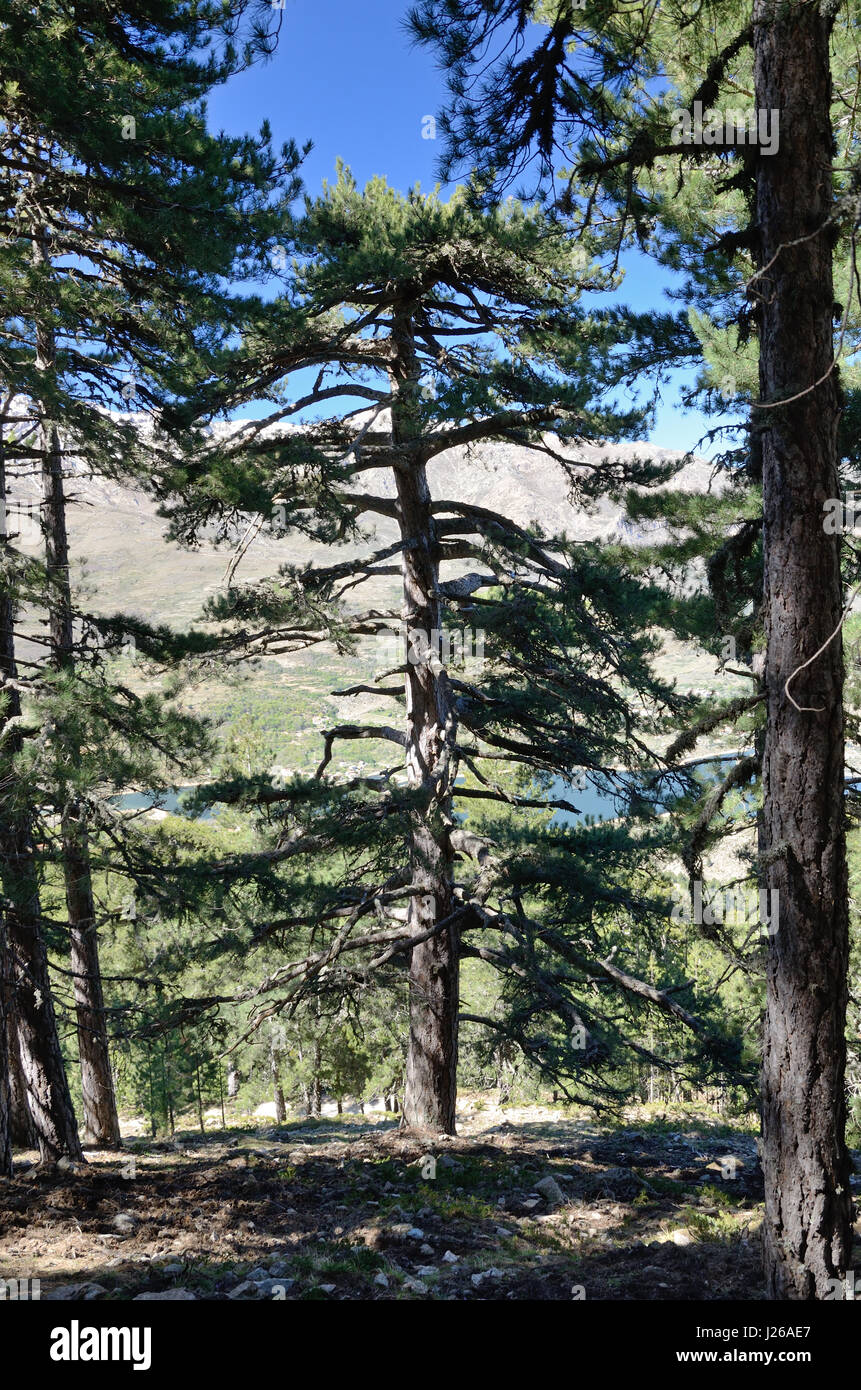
<point>346,77</point>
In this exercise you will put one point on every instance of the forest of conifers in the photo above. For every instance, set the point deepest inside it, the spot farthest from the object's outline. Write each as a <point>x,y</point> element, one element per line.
<point>427,797</point>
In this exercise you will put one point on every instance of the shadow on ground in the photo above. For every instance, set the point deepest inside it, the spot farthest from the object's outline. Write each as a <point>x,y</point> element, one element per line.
<point>348,1208</point>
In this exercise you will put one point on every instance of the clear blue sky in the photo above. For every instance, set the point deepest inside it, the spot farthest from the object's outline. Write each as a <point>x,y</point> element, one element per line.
<point>346,77</point>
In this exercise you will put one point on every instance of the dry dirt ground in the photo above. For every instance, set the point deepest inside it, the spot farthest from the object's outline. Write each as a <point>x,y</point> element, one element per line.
<point>657,1207</point>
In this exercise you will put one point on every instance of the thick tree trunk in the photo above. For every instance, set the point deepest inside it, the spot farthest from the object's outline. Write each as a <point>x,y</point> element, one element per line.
<point>48,1098</point>
<point>29,999</point>
<point>804,1159</point>
<point>101,1121</point>
<point>431,1073</point>
<point>5,1087</point>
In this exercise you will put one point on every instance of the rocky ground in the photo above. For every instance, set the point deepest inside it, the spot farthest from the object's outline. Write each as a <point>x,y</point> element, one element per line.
<point>532,1204</point>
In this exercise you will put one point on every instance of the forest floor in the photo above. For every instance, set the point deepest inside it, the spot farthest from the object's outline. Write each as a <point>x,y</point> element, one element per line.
<point>654,1207</point>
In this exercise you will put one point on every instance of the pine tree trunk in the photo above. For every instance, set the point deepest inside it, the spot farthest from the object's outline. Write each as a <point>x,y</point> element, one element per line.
<point>804,1158</point>
<point>29,998</point>
<point>167,1087</point>
<point>280,1107</point>
<point>5,1087</point>
<point>23,1130</point>
<point>431,1073</point>
<point>153,1124</point>
<point>101,1121</point>
<point>317,1083</point>
<point>48,1098</point>
<point>199,1100</point>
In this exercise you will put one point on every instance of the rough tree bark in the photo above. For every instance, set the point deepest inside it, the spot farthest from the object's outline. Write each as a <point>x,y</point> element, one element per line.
<point>804,1158</point>
<point>24,1135</point>
<point>430,1092</point>
<point>5,1089</point>
<point>101,1120</point>
<point>48,1097</point>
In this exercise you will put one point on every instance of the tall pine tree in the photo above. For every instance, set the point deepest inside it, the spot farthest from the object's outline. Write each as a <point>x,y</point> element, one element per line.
<point>460,330</point>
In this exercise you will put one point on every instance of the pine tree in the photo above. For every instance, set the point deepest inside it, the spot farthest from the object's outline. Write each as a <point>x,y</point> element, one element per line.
<point>460,329</point>
<point>808,1240</point>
